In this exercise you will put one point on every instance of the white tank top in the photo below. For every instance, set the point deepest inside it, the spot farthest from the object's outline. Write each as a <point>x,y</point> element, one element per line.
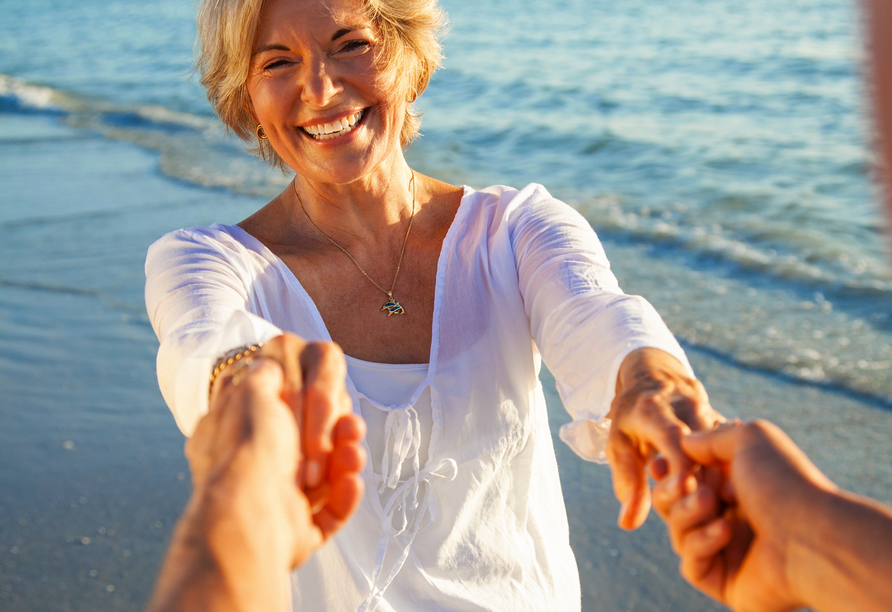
<point>386,391</point>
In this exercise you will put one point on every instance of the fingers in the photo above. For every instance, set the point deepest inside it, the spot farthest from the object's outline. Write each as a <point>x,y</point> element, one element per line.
<point>713,447</point>
<point>656,405</point>
<point>629,480</point>
<point>700,534</point>
<point>659,429</point>
<point>343,498</point>
<point>702,562</point>
<point>658,468</point>
<point>348,455</point>
<point>670,491</point>
<point>314,387</point>
<point>325,402</point>
<point>691,512</point>
<point>692,407</point>
<point>349,428</point>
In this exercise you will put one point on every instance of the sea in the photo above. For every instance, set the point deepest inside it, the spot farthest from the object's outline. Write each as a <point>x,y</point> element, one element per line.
<point>721,150</point>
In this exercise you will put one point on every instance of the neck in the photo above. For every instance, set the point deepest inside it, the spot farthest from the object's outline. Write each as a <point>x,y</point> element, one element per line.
<point>365,209</point>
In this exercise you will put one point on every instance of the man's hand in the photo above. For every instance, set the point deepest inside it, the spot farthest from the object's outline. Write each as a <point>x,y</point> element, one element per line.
<point>737,537</point>
<point>248,445</point>
<point>249,522</point>
<point>656,403</point>
<point>313,386</point>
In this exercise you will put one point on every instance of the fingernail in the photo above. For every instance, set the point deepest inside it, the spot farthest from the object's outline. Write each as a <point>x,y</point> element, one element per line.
<point>715,529</point>
<point>313,473</point>
<point>623,510</point>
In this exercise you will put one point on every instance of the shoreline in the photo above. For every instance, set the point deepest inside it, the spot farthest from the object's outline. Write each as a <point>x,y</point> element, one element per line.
<point>92,476</point>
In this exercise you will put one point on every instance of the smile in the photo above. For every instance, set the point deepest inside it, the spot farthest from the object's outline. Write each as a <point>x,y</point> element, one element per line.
<point>327,131</point>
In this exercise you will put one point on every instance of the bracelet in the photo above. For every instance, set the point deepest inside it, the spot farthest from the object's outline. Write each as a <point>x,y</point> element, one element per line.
<point>230,357</point>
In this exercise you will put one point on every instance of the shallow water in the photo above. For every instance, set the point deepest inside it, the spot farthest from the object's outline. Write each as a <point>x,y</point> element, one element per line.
<point>727,140</point>
<point>719,149</point>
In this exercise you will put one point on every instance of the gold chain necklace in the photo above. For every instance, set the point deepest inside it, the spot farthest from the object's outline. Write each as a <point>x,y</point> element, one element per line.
<point>392,307</point>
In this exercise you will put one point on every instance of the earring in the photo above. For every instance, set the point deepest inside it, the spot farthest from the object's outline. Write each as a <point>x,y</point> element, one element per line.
<point>260,133</point>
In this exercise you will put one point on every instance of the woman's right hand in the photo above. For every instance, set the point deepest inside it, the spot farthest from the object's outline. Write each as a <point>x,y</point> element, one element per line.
<point>314,388</point>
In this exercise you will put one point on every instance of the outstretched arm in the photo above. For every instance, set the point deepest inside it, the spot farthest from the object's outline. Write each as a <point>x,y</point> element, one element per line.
<point>248,523</point>
<point>775,534</point>
<point>609,352</point>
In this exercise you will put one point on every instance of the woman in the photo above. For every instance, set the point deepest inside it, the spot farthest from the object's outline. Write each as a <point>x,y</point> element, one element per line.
<point>434,293</point>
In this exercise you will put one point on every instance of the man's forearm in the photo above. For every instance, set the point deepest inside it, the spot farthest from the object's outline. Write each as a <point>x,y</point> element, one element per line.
<point>208,568</point>
<point>843,558</point>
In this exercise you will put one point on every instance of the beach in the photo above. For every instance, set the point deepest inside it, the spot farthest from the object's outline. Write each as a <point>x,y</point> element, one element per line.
<point>721,154</point>
<point>92,475</point>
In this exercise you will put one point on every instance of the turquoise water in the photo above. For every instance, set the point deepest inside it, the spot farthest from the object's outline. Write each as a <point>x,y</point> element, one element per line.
<point>718,148</point>
<point>723,144</point>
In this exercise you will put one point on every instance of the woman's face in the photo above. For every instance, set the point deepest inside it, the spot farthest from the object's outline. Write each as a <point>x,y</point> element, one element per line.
<point>315,89</point>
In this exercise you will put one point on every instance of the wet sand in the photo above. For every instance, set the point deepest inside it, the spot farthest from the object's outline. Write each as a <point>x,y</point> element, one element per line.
<point>92,476</point>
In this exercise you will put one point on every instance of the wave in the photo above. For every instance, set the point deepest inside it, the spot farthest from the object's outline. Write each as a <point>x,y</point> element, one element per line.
<point>818,263</point>
<point>193,148</point>
<point>198,150</point>
<point>42,288</point>
<point>17,95</point>
<point>843,288</point>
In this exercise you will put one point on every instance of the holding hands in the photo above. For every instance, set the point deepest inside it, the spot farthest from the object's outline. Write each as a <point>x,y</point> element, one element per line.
<point>760,528</point>
<point>657,403</point>
<point>257,510</point>
<point>757,526</point>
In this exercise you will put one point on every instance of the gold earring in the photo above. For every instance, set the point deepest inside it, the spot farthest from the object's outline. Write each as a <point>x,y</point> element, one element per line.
<point>260,133</point>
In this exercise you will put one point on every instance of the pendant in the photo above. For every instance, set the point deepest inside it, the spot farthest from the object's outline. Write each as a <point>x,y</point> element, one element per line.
<point>392,306</point>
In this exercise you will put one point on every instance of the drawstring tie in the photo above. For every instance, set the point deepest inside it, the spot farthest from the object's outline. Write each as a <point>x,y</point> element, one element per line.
<point>411,501</point>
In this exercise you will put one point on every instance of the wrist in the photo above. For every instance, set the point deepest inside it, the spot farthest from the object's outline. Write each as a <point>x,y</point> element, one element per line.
<point>806,532</point>
<point>844,553</point>
<point>229,358</point>
<point>648,365</point>
<point>228,523</point>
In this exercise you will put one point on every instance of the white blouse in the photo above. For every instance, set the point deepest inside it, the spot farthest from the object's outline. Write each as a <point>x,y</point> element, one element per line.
<point>471,518</point>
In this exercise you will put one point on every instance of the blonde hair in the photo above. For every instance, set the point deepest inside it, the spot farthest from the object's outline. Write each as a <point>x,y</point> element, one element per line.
<point>409,53</point>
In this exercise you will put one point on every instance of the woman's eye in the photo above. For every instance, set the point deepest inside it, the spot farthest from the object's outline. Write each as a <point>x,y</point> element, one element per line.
<point>356,45</point>
<point>275,64</point>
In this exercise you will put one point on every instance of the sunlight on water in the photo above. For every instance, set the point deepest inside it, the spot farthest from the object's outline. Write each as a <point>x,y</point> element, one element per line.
<point>730,137</point>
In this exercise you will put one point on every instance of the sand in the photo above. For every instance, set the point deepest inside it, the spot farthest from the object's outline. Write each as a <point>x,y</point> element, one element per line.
<point>92,476</point>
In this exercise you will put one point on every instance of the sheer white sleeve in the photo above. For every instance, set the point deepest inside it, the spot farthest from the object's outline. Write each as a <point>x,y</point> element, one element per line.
<point>197,290</point>
<point>582,322</point>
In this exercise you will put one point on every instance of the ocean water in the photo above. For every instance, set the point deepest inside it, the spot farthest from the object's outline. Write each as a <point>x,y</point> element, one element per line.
<point>721,150</point>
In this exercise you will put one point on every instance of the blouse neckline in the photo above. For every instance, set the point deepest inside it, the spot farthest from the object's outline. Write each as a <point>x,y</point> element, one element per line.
<point>257,246</point>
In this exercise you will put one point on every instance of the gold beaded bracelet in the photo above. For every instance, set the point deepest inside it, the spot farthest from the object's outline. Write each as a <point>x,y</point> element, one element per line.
<point>230,358</point>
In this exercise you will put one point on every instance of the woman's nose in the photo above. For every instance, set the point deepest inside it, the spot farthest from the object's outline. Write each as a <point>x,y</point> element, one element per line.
<point>320,85</point>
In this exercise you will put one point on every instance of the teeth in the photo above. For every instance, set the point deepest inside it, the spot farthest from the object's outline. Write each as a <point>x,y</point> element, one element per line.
<point>338,128</point>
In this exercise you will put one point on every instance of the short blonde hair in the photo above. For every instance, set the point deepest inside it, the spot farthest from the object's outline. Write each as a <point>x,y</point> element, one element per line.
<point>410,52</point>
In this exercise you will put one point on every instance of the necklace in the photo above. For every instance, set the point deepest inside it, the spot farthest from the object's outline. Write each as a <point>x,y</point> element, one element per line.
<point>391,307</point>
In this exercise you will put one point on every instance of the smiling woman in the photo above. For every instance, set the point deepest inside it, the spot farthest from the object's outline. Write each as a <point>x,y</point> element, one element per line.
<point>408,33</point>
<point>463,509</point>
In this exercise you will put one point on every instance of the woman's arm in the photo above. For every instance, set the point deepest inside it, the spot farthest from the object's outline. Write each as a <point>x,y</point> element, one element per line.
<point>202,287</point>
<point>197,297</point>
<point>609,352</point>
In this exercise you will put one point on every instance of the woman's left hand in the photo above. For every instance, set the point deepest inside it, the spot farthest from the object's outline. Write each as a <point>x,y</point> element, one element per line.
<point>657,402</point>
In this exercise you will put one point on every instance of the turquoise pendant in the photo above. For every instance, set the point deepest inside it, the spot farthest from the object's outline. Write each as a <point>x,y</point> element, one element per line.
<point>392,307</point>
